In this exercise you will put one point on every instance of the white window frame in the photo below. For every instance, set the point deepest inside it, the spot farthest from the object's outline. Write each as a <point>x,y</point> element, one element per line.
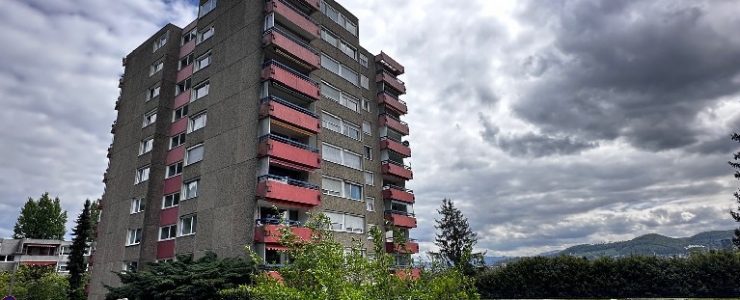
<point>348,194</point>
<point>365,83</point>
<point>198,61</point>
<point>184,195</point>
<point>137,205</point>
<point>343,222</point>
<point>173,204</point>
<point>343,71</point>
<point>146,146</point>
<point>332,192</point>
<point>189,36</point>
<point>363,60</point>
<point>156,67</point>
<point>338,18</point>
<point>176,172</point>
<point>161,41</point>
<point>193,225</point>
<point>368,155</point>
<point>206,8</point>
<point>181,137</point>
<point>132,235</point>
<point>200,90</point>
<point>152,93</point>
<point>342,152</point>
<point>149,118</point>
<point>191,122</point>
<point>343,192</point>
<point>142,175</point>
<point>170,234</point>
<point>367,128</point>
<point>370,204</point>
<point>187,154</point>
<point>188,61</point>
<point>205,35</point>
<point>344,126</point>
<point>183,111</point>
<point>369,180</point>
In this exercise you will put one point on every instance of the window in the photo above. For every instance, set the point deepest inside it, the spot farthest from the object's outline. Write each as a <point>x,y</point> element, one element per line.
<point>206,7</point>
<point>368,153</point>
<point>336,95</point>
<point>137,205</point>
<point>142,174</point>
<point>338,125</point>
<point>194,154</point>
<point>352,160</point>
<point>335,67</point>
<point>197,122</point>
<point>337,221</point>
<point>183,86</point>
<point>156,67</point>
<point>269,21</point>
<point>332,187</point>
<point>152,93</point>
<point>367,128</point>
<point>329,37</point>
<point>171,200</point>
<point>188,224</point>
<point>146,145</point>
<point>365,83</point>
<point>370,205</point>
<point>177,140</point>
<point>130,266</point>
<point>160,42</point>
<point>189,36</point>
<point>167,232</point>
<point>337,17</point>
<point>179,113</point>
<point>369,178</point>
<point>185,61</point>
<point>349,50</point>
<point>174,169</point>
<point>363,60</point>
<point>349,75</point>
<point>200,91</point>
<point>133,237</point>
<point>353,191</point>
<point>341,156</point>
<point>62,268</point>
<point>149,118</point>
<point>346,222</point>
<point>190,189</point>
<point>207,34</point>
<point>203,61</point>
<point>351,130</point>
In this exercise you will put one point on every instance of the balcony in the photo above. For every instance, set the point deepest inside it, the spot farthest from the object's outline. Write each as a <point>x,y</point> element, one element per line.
<point>393,168</point>
<point>413,273</point>
<point>289,151</point>
<point>393,103</point>
<point>400,219</point>
<point>290,113</point>
<point>290,78</point>
<point>293,18</point>
<point>270,234</point>
<point>285,44</point>
<point>410,247</point>
<point>389,63</point>
<point>393,123</point>
<point>287,190</point>
<point>400,148</point>
<point>388,79</point>
<point>391,192</point>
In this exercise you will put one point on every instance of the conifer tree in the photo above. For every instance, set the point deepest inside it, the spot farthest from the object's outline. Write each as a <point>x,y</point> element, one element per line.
<point>455,239</point>
<point>735,163</point>
<point>82,235</point>
<point>42,219</point>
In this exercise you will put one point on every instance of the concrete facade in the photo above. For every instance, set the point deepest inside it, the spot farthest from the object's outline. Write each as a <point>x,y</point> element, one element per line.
<point>19,252</point>
<point>231,199</point>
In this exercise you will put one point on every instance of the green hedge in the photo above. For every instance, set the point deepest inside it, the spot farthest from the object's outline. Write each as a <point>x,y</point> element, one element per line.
<point>710,274</point>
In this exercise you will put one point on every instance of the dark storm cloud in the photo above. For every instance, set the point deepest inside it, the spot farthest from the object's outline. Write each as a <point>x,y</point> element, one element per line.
<point>639,70</point>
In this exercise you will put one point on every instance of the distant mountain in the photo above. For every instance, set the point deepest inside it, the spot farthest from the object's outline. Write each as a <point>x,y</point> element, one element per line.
<point>655,244</point>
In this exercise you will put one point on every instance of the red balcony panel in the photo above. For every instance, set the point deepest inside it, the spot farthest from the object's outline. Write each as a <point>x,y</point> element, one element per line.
<point>393,103</point>
<point>407,248</point>
<point>166,249</point>
<point>178,126</point>
<point>401,127</point>
<point>289,46</point>
<point>397,171</point>
<point>394,82</point>
<point>389,63</point>
<point>283,192</point>
<point>394,146</point>
<point>287,152</point>
<point>168,216</point>
<point>175,155</point>
<point>270,234</point>
<point>291,79</point>
<point>392,193</point>
<point>187,48</point>
<point>184,73</point>
<point>298,21</point>
<point>172,184</point>
<point>290,115</point>
<point>401,220</point>
<point>412,274</point>
<point>181,99</point>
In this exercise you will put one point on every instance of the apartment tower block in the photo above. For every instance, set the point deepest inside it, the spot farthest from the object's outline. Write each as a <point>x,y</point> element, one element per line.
<point>255,105</point>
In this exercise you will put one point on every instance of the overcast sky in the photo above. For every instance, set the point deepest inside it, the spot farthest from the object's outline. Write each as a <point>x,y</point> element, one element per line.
<point>549,123</point>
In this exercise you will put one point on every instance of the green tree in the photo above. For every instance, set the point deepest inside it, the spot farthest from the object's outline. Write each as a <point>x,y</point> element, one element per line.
<point>455,239</point>
<point>320,269</point>
<point>735,163</point>
<point>42,219</point>
<point>77,264</point>
<point>35,283</point>
<point>183,278</point>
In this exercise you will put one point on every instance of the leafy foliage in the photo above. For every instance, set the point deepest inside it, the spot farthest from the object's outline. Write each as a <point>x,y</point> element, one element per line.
<point>35,283</point>
<point>735,163</point>
<point>184,278</point>
<point>709,274</point>
<point>77,265</point>
<point>319,269</point>
<point>455,239</point>
<point>42,219</point>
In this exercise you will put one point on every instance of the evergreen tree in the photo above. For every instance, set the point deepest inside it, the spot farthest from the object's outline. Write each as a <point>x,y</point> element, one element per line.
<point>455,239</point>
<point>736,213</point>
<point>76,263</point>
<point>42,219</point>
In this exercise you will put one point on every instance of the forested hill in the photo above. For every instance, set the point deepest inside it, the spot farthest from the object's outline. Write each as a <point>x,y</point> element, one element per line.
<point>656,244</point>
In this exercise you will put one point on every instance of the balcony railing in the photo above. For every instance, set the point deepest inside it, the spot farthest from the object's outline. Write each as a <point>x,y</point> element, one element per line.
<point>293,154</point>
<point>288,180</point>
<point>400,148</point>
<point>293,17</point>
<point>276,221</point>
<point>289,142</point>
<point>392,192</point>
<point>270,234</point>
<point>409,247</point>
<point>393,168</point>
<point>395,83</point>
<point>400,218</point>
<point>290,113</point>
<point>389,63</point>
<point>292,46</point>
<point>290,78</point>
<point>392,102</point>
<point>393,123</point>
<point>287,190</point>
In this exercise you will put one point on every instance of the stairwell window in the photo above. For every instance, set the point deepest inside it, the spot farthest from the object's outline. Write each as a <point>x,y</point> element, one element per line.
<point>370,205</point>
<point>365,83</point>
<point>167,232</point>
<point>363,60</point>
<point>142,174</point>
<point>367,128</point>
<point>369,178</point>
<point>203,61</point>
<point>133,237</point>
<point>200,91</point>
<point>146,146</point>
<point>188,225</point>
<point>197,122</point>
<point>194,154</point>
<point>206,7</point>
<point>368,153</point>
<point>190,190</point>
<point>152,93</point>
